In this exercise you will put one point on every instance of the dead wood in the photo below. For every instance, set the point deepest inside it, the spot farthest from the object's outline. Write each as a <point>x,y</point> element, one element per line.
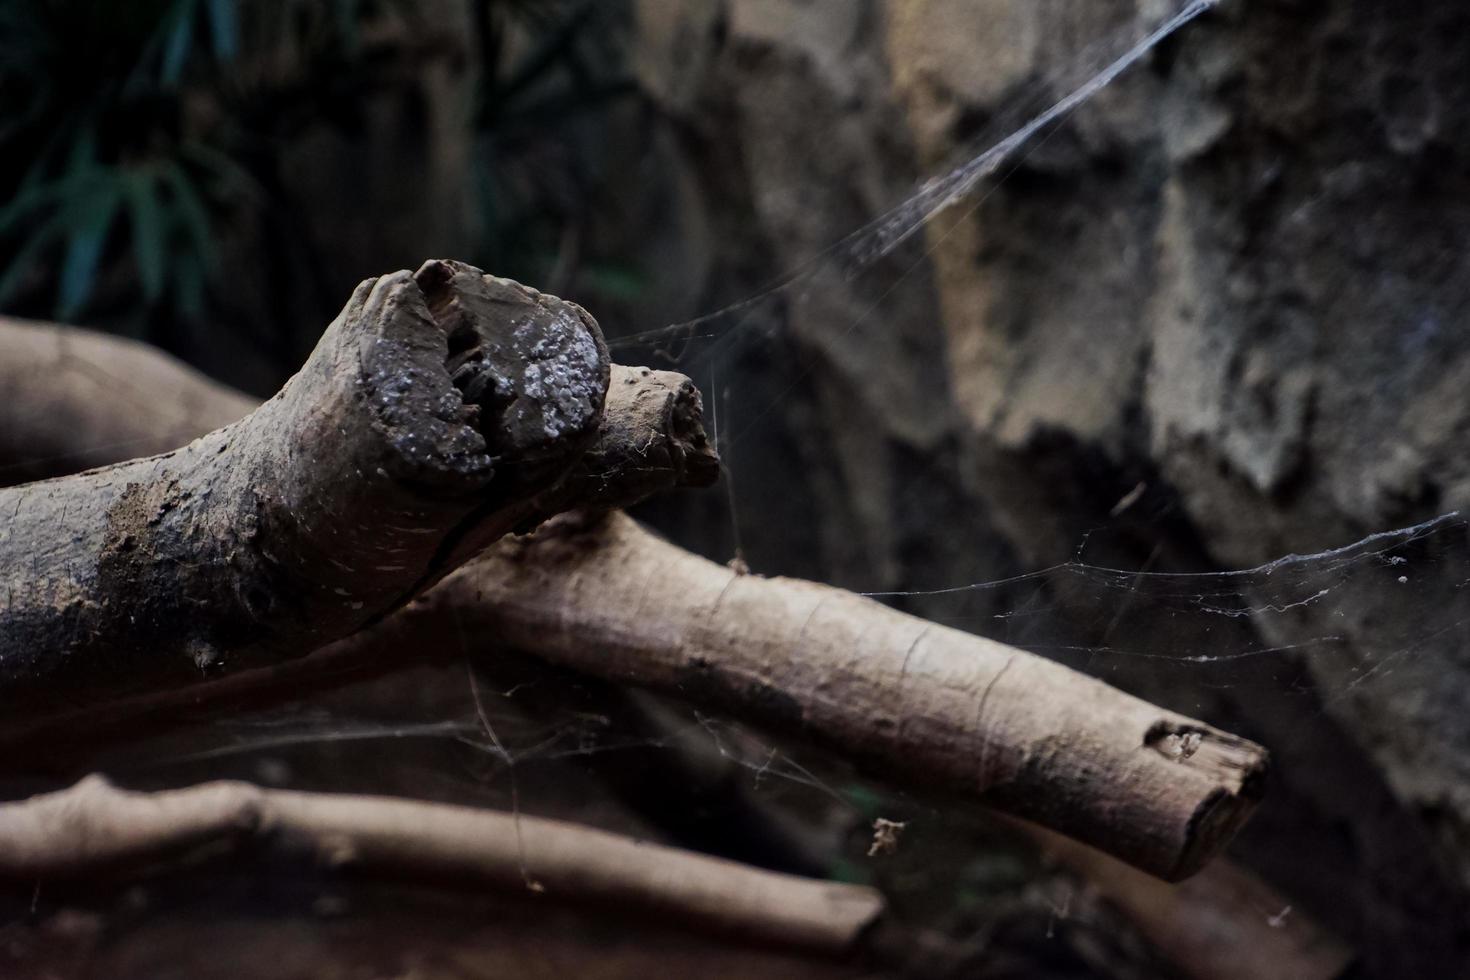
<point>1222,924</point>
<point>917,703</point>
<point>76,399</point>
<point>441,410</point>
<point>95,827</point>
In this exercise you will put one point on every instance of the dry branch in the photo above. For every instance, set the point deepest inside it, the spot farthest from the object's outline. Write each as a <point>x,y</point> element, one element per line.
<point>1222,924</point>
<point>440,410</point>
<point>76,399</point>
<point>94,826</point>
<point>918,703</point>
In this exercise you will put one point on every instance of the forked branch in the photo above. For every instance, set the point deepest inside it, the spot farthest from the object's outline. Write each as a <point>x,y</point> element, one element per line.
<point>441,410</point>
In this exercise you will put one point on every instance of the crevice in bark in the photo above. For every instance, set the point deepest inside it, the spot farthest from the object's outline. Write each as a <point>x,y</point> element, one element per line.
<point>360,484</point>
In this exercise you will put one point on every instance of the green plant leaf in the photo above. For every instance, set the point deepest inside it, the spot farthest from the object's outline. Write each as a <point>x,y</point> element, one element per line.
<point>43,236</point>
<point>189,286</point>
<point>553,51</point>
<point>150,243</point>
<point>176,47</point>
<point>192,215</point>
<point>228,175</point>
<point>850,872</point>
<point>224,28</point>
<point>614,280</point>
<point>90,223</point>
<point>347,13</point>
<point>82,160</point>
<point>29,200</point>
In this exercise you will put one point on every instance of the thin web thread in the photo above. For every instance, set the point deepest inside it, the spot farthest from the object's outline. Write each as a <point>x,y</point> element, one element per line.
<point>881,236</point>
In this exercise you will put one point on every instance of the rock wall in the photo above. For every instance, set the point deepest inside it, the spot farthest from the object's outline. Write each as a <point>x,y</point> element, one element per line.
<point>1236,280</point>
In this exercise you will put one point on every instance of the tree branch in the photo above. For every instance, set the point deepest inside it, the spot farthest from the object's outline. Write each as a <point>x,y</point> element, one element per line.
<point>94,826</point>
<point>441,410</point>
<point>919,704</point>
<point>76,399</point>
<point>1222,924</point>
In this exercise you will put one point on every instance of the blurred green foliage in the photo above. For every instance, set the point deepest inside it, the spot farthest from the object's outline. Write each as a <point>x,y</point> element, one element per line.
<point>134,135</point>
<point>92,142</point>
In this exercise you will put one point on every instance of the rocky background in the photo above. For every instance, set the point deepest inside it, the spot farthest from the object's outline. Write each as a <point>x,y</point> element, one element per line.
<point>1237,280</point>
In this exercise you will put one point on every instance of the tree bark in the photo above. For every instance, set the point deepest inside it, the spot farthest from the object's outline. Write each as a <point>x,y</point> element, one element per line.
<point>78,399</point>
<point>441,410</point>
<point>1222,924</point>
<point>917,703</point>
<point>94,827</point>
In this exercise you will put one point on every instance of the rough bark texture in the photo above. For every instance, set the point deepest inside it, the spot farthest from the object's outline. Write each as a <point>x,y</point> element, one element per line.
<point>921,703</point>
<point>94,827</point>
<point>64,386</point>
<point>435,409</point>
<point>650,438</point>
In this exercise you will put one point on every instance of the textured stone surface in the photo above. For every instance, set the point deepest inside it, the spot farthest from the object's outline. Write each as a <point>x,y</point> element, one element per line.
<point>1238,277</point>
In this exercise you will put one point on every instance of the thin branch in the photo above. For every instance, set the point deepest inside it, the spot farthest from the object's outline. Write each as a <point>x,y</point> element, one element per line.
<point>94,826</point>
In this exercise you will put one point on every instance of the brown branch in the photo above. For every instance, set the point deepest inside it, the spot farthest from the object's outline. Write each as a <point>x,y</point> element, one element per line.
<point>1222,924</point>
<point>76,399</point>
<point>917,703</point>
<point>440,410</point>
<point>94,826</point>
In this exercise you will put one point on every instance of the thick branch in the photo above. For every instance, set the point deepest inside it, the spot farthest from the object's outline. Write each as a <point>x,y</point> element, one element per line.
<point>416,431</point>
<point>95,826</point>
<point>440,410</point>
<point>918,703</point>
